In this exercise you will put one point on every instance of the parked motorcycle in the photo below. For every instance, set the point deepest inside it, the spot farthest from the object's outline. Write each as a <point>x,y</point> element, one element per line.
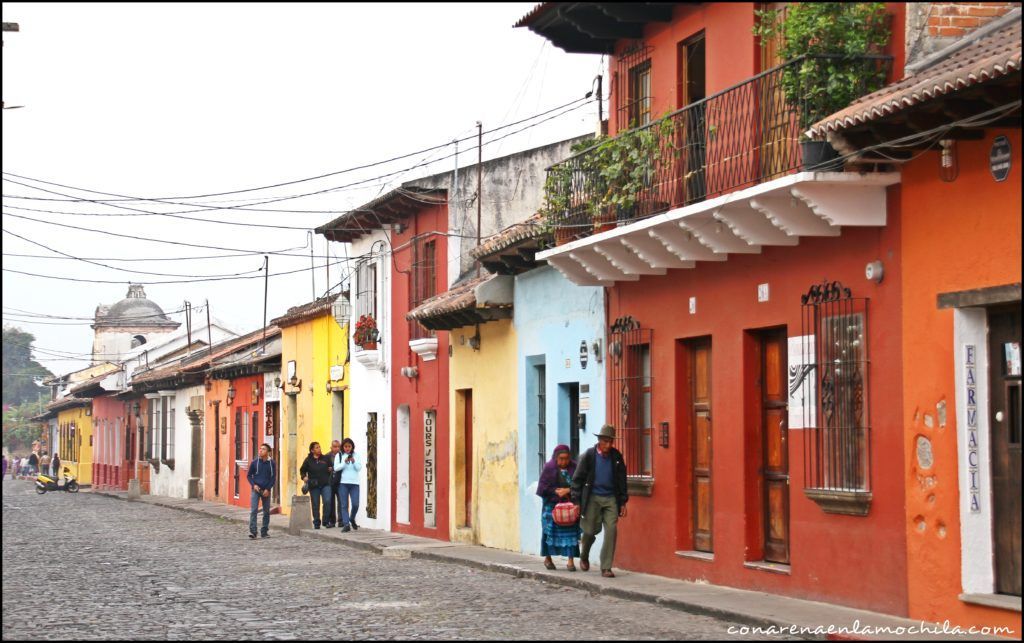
<point>45,483</point>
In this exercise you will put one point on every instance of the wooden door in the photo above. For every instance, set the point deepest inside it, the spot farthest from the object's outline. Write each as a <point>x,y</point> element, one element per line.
<point>239,446</point>
<point>774,433</point>
<point>274,430</point>
<point>216,448</point>
<point>1005,420</point>
<point>774,118</point>
<point>691,76</point>
<point>574,419</point>
<point>371,466</point>
<point>468,434</point>
<point>700,420</point>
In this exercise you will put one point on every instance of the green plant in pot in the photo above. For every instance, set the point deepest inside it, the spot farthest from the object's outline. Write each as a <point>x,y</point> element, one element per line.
<point>825,45</point>
<point>625,168</point>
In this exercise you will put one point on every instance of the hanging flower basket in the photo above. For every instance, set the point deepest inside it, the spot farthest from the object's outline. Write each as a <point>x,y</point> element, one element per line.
<point>366,333</point>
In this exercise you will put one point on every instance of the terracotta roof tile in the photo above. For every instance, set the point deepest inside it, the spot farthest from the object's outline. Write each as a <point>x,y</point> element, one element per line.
<point>299,314</point>
<point>530,228</point>
<point>991,56</point>
<point>460,297</point>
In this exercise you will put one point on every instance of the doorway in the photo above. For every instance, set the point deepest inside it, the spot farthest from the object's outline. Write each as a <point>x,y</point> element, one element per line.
<point>274,431</point>
<point>774,445</point>
<point>402,475</point>
<point>464,457</point>
<point>569,412</point>
<point>691,76</point>
<point>1005,419</point>
<point>371,466</point>
<point>698,412</point>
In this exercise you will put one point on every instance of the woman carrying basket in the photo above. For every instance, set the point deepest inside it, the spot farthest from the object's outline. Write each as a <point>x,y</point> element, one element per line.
<point>559,518</point>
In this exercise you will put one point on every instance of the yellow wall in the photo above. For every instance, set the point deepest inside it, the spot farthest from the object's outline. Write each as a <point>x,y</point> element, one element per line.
<point>82,469</point>
<point>315,345</point>
<point>491,374</point>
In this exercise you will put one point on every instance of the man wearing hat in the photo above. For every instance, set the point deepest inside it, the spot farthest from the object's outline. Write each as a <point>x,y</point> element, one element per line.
<point>599,488</point>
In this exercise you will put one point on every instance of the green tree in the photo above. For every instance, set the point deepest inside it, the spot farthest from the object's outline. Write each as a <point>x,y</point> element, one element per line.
<point>19,430</point>
<point>20,371</point>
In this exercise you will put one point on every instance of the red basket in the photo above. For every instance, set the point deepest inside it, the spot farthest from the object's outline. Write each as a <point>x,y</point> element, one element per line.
<point>565,514</point>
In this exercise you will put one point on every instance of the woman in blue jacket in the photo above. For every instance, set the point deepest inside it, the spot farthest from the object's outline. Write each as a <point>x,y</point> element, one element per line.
<point>349,465</point>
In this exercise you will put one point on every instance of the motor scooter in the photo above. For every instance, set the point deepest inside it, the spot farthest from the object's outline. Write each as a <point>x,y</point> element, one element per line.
<point>45,483</point>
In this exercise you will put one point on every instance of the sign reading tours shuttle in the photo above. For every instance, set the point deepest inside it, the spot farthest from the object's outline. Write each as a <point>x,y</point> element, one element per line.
<point>429,463</point>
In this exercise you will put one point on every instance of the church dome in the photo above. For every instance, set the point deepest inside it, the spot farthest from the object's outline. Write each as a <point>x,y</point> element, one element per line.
<point>134,310</point>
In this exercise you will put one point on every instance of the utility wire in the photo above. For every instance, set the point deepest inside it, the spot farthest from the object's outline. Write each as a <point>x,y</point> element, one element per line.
<point>339,172</point>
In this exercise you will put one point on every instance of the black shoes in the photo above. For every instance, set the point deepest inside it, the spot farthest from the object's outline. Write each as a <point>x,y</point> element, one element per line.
<point>354,525</point>
<point>346,528</point>
<point>253,536</point>
<point>264,535</point>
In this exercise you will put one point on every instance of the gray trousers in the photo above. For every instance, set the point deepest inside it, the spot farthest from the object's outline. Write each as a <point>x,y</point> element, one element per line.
<point>600,511</point>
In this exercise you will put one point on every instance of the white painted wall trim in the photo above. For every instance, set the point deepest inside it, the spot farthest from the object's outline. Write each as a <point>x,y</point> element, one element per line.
<point>970,327</point>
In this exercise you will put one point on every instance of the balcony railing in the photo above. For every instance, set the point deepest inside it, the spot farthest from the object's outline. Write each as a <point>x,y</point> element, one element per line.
<point>739,137</point>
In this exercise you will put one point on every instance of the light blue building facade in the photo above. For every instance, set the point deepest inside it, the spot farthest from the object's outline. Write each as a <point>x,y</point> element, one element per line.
<point>560,332</point>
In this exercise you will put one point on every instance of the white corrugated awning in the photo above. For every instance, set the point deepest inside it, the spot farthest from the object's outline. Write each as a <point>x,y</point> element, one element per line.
<point>776,213</point>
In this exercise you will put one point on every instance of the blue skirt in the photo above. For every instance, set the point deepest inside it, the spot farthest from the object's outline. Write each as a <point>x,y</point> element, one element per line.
<point>557,540</point>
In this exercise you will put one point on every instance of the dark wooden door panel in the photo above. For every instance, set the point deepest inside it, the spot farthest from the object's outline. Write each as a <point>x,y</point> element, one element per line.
<point>700,420</point>
<point>774,431</point>
<point>1005,420</point>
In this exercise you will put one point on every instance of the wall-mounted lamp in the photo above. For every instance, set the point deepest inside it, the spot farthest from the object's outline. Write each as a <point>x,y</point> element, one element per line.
<point>231,394</point>
<point>277,382</point>
<point>135,408</point>
<point>88,411</point>
<point>873,271</point>
<point>474,342</point>
<point>596,349</point>
<point>663,435</point>
<point>949,165</point>
<point>409,371</point>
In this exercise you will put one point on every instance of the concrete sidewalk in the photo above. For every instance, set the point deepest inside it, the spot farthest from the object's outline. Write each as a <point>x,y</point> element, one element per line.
<point>756,609</point>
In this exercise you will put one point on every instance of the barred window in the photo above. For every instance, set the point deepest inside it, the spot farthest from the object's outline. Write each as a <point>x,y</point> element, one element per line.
<point>633,87</point>
<point>630,395</point>
<point>835,360</point>
<point>366,288</point>
<point>424,281</point>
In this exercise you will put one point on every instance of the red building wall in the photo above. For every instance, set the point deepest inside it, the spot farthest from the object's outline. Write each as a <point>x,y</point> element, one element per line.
<point>427,391</point>
<point>244,403</point>
<point>858,561</point>
<point>108,463</point>
<point>215,486</point>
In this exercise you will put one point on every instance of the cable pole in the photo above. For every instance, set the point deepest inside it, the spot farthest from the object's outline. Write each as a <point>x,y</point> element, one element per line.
<point>327,263</point>
<point>209,331</point>
<point>188,327</point>
<point>479,183</point>
<point>312,270</point>
<point>266,291</point>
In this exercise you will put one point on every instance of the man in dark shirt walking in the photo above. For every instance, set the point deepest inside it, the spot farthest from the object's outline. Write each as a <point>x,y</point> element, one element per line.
<point>261,476</point>
<point>599,488</point>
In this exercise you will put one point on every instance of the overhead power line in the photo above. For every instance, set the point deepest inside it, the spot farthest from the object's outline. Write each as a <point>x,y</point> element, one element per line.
<point>346,170</point>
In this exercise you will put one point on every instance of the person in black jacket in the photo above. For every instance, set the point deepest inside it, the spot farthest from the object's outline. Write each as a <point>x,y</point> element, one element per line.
<point>261,477</point>
<point>599,488</point>
<point>317,471</point>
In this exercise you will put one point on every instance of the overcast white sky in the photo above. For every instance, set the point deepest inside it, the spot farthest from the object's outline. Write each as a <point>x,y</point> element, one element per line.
<point>169,100</point>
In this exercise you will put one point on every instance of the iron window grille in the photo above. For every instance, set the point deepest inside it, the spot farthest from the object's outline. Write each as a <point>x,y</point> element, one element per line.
<point>424,281</point>
<point>835,364</point>
<point>542,430</point>
<point>630,394</point>
<point>633,87</point>
<point>366,288</point>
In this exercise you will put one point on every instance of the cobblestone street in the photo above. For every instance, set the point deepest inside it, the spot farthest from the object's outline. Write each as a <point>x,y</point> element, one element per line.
<point>82,566</point>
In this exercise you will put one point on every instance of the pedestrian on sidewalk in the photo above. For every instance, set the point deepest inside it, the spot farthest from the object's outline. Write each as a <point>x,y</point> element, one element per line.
<point>599,488</point>
<point>44,463</point>
<point>55,466</point>
<point>261,477</point>
<point>348,467</point>
<point>316,470</point>
<point>332,514</point>
<point>555,486</point>
<point>4,466</point>
<point>23,468</point>
<point>33,463</point>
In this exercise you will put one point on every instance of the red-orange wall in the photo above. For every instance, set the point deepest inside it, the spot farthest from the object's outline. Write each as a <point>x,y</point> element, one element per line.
<point>858,561</point>
<point>429,390</point>
<point>956,236</point>
<point>217,391</point>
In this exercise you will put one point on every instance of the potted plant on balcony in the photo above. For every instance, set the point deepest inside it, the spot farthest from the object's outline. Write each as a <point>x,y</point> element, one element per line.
<point>626,167</point>
<point>366,333</point>
<point>825,45</point>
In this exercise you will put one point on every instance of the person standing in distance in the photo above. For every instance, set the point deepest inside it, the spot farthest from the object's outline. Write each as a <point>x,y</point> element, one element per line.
<point>317,471</point>
<point>599,488</point>
<point>348,467</point>
<point>261,476</point>
<point>332,513</point>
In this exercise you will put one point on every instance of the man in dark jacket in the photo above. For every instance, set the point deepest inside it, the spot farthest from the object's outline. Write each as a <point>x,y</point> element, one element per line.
<point>332,513</point>
<point>599,488</point>
<point>261,477</point>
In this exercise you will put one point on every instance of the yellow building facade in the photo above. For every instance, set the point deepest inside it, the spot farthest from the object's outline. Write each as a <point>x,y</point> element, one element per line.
<point>314,379</point>
<point>486,377</point>
<point>75,439</point>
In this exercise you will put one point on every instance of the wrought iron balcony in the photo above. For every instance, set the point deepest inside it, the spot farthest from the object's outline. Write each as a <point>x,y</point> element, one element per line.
<point>739,137</point>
